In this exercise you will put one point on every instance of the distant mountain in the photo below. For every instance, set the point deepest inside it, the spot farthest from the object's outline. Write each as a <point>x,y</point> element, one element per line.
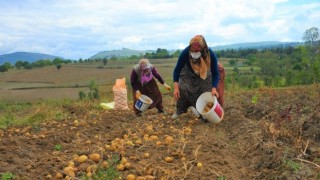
<point>124,52</point>
<point>257,45</point>
<point>25,56</point>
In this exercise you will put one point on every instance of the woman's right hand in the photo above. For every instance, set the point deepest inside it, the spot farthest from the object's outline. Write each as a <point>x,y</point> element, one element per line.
<point>138,94</point>
<point>176,91</point>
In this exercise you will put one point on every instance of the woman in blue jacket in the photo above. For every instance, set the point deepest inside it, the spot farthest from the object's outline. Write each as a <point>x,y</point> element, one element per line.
<point>196,72</point>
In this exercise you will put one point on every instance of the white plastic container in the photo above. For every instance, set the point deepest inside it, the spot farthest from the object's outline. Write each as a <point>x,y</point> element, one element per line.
<point>143,103</point>
<point>215,114</point>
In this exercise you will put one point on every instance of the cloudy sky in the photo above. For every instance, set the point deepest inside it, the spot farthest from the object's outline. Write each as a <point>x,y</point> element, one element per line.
<point>81,28</point>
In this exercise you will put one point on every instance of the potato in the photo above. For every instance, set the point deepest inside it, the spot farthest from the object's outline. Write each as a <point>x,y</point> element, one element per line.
<point>69,171</point>
<point>127,165</point>
<point>58,176</point>
<point>168,140</point>
<point>105,164</point>
<point>141,178</point>
<point>208,107</point>
<point>89,174</point>
<point>82,158</point>
<point>124,160</point>
<point>131,177</point>
<point>120,167</point>
<point>168,159</point>
<point>129,143</point>
<point>154,137</point>
<point>92,168</point>
<point>149,177</point>
<point>146,155</point>
<point>158,143</point>
<point>95,157</point>
<point>149,128</point>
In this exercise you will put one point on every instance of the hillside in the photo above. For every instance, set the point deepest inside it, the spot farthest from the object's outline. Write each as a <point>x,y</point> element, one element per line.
<point>12,58</point>
<point>274,137</point>
<point>257,45</point>
<point>125,52</point>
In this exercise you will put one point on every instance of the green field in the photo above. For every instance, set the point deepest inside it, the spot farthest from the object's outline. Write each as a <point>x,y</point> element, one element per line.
<point>50,83</point>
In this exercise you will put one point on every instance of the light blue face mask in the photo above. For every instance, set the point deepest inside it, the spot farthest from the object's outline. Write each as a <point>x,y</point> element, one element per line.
<point>195,55</point>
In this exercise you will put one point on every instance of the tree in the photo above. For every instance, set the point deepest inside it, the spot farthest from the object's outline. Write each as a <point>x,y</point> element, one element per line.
<point>311,36</point>
<point>236,70</point>
<point>59,66</point>
<point>312,41</point>
<point>232,62</point>
<point>19,64</point>
<point>105,61</point>
<point>269,67</point>
<point>57,61</point>
<point>5,67</point>
<point>251,70</point>
<point>176,53</point>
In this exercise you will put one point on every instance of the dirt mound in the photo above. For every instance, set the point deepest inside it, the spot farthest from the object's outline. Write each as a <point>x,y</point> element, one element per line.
<point>265,134</point>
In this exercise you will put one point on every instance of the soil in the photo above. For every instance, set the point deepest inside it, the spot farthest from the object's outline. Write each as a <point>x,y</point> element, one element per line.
<point>265,134</point>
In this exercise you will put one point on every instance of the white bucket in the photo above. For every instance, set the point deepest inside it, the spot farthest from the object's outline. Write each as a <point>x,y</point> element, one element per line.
<point>215,114</point>
<point>143,103</point>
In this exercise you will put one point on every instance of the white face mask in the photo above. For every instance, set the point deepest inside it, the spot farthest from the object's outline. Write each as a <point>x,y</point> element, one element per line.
<point>195,55</point>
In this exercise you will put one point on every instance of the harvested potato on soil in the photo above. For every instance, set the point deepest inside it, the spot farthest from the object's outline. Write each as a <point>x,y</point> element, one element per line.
<point>95,157</point>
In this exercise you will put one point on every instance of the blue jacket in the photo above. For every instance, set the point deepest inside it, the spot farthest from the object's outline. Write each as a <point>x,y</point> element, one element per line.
<point>184,60</point>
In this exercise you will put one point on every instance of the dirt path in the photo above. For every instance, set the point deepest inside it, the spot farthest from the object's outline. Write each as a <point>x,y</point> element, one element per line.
<point>261,137</point>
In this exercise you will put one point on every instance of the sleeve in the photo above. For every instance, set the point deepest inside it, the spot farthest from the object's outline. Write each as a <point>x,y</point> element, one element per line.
<point>184,56</point>
<point>134,80</point>
<point>214,69</point>
<point>157,75</point>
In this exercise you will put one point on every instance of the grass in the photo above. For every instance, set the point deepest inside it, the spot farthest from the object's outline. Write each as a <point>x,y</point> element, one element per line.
<point>9,114</point>
<point>7,176</point>
<point>291,165</point>
<point>58,147</point>
<point>222,178</point>
<point>20,114</point>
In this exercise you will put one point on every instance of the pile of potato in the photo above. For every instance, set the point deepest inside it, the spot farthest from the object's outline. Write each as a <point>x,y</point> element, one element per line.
<point>208,107</point>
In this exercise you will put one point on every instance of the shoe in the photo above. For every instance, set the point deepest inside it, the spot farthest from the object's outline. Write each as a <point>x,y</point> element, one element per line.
<point>203,119</point>
<point>175,115</point>
<point>194,111</point>
<point>162,112</point>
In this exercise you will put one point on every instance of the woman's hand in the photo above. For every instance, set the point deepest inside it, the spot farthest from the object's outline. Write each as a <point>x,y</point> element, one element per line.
<point>176,91</point>
<point>214,92</point>
<point>138,94</point>
<point>167,87</point>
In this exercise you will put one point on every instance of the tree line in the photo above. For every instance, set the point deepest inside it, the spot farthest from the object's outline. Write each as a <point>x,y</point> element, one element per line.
<point>36,64</point>
<point>278,66</point>
<point>281,66</point>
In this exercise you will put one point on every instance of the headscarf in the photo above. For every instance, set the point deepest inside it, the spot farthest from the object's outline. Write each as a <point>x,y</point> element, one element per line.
<point>145,71</point>
<point>198,44</point>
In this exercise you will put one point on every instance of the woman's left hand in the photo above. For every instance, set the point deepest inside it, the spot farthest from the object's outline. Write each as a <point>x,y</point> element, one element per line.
<point>214,92</point>
<point>167,87</point>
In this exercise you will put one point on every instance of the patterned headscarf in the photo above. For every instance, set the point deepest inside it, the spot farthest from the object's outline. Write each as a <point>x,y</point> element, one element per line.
<point>202,65</point>
<point>145,71</point>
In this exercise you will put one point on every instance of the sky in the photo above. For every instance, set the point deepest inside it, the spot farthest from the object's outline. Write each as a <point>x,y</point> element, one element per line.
<point>75,29</point>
